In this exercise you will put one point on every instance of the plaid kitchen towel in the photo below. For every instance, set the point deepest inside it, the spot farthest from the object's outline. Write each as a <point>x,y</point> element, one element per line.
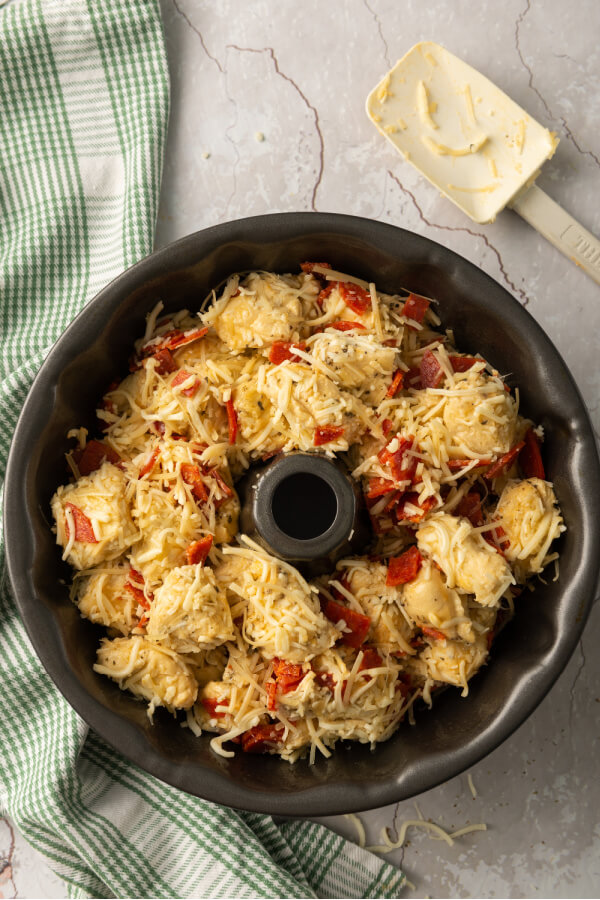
<point>83,112</point>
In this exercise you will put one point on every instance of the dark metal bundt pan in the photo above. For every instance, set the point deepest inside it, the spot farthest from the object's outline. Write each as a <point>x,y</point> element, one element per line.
<point>529,654</point>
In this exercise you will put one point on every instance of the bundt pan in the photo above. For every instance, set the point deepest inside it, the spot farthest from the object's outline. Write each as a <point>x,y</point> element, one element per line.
<point>528,655</point>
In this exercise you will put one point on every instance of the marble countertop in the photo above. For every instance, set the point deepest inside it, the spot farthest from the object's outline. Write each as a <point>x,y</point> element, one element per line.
<point>268,116</point>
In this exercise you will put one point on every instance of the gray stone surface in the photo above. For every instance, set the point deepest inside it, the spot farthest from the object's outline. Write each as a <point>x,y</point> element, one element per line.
<point>298,73</point>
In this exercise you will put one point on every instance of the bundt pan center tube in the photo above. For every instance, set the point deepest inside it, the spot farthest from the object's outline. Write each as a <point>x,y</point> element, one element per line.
<point>303,508</point>
<point>528,655</point>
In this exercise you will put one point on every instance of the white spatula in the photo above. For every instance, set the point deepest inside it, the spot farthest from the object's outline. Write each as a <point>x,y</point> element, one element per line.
<point>475,145</point>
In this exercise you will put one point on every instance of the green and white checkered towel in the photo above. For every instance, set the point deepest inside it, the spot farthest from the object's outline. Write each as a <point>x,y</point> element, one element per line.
<point>83,113</point>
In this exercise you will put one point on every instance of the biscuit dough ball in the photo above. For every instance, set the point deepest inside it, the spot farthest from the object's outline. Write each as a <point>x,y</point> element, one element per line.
<point>149,671</point>
<point>306,400</point>
<point>430,603</point>
<point>93,519</point>
<point>467,560</point>
<point>189,612</point>
<point>383,604</point>
<point>454,662</point>
<point>482,418</point>
<point>266,309</point>
<point>104,599</point>
<point>531,520</point>
<point>282,616</point>
<point>356,360</point>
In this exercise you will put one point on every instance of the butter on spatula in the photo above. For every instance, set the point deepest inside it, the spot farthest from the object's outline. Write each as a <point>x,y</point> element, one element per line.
<point>474,144</point>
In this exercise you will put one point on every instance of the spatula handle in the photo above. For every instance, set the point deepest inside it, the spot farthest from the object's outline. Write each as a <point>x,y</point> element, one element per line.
<point>561,229</point>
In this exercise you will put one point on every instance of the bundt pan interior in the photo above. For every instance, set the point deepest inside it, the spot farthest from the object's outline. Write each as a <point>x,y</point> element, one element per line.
<point>528,655</point>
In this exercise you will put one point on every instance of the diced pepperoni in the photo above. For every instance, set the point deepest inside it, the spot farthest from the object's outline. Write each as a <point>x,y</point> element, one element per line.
<point>159,427</point>
<point>530,460</point>
<point>261,738</point>
<point>412,379</point>
<point>135,585</point>
<point>287,675</point>
<point>84,531</point>
<point>402,464</point>
<point>180,339</point>
<point>403,568</point>
<point>232,421</point>
<point>309,266</point>
<point>149,464</point>
<point>412,499</point>
<point>197,552</point>
<point>326,679</point>
<point>172,340</point>
<point>355,297</point>
<point>371,659</point>
<point>357,623</point>
<point>165,361</point>
<point>283,350</point>
<point>505,462</point>
<point>434,633</point>
<point>386,426</point>
<point>379,487</point>
<point>455,465</point>
<point>192,476</point>
<point>324,294</point>
<point>470,508</point>
<point>223,486</point>
<point>271,689</point>
<point>93,455</point>
<point>463,363</point>
<point>324,434</point>
<point>415,308</point>
<point>432,373</point>
<point>181,378</point>
<point>210,705</point>
<point>346,325</point>
<point>396,385</point>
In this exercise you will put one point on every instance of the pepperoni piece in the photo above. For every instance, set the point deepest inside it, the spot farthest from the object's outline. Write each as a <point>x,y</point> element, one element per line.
<point>346,325</point>
<point>379,487</point>
<point>134,580</point>
<point>430,370</point>
<point>470,508</point>
<point>84,531</point>
<point>309,266</point>
<point>165,361</point>
<point>463,363</point>
<point>415,308</point>
<point>412,499</point>
<point>357,623</point>
<point>261,738</point>
<point>396,385</point>
<point>287,675</point>
<point>93,455</point>
<point>402,464</point>
<point>455,465</point>
<point>371,659</point>
<point>199,550</point>
<point>355,297</point>
<point>324,434</point>
<point>232,421</point>
<point>283,350</point>
<point>210,705</point>
<point>434,633</point>
<point>505,462</point>
<point>192,476</point>
<point>403,568</point>
<point>530,460</point>
<point>149,464</point>
<point>181,378</point>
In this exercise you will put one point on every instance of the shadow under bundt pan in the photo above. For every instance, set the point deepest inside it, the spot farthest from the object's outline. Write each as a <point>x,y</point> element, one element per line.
<point>528,655</point>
